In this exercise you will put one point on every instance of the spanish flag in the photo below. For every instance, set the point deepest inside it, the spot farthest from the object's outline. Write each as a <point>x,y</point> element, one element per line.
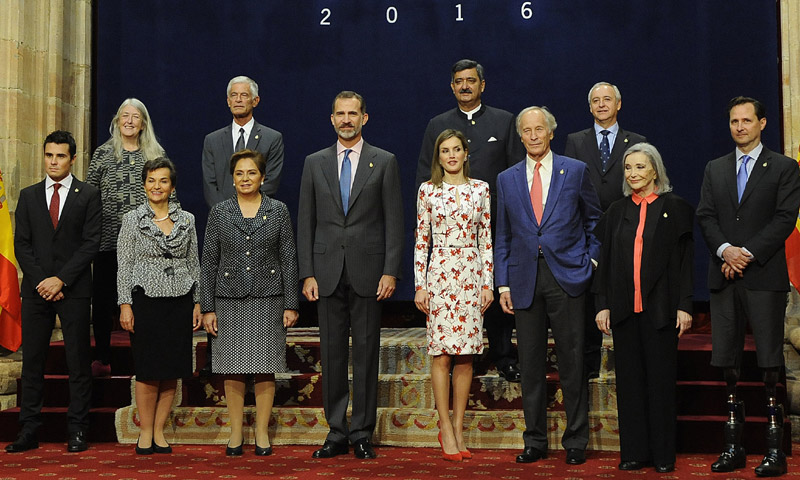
<point>10,305</point>
<point>793,250</point>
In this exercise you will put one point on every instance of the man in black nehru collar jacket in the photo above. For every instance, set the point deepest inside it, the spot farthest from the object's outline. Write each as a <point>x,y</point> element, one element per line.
<point>493,146</point>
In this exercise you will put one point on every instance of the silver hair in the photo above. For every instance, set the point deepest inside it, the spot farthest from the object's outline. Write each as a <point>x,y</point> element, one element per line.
<point>600,84</point>
<point>244,79</point>
<point>148,143</point>
<point>551,120</point>
<point>662,180</point>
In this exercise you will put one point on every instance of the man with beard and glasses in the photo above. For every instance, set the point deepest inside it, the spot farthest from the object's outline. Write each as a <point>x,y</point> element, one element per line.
<point>349,243</point>
<point>493,146</point>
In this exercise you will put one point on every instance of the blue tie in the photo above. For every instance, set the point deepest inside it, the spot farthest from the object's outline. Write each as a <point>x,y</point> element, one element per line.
<point>344,180</point>
<point>605,149</point>
<point>741,177</point>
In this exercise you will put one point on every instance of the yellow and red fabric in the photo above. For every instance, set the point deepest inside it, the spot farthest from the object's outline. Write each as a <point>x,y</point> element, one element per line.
<point>10,304</point>
<point>793,250</point>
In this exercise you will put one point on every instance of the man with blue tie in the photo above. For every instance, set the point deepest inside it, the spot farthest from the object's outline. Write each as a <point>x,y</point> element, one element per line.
<point>544,258</point>
<point>748,207</point>
<point>601,148</point>
<point>349,249</point>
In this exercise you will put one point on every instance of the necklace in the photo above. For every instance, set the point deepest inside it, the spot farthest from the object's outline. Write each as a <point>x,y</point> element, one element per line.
<point>161,219</point>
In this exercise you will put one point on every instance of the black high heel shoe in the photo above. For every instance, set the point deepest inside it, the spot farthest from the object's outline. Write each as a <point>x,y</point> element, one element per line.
<point>159,449</point>
<point>144,451</point>
<point>263,451</point>
<point>234,451</point>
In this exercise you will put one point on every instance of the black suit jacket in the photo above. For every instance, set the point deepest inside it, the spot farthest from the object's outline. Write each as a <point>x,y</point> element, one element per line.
<point>667,259</point>
<point>761,223</point>
<point>66,251</point>
<point>583,146</point>
<point>217,151</point>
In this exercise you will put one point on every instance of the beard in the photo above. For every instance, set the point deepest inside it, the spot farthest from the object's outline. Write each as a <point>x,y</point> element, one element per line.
<point>348,134</point>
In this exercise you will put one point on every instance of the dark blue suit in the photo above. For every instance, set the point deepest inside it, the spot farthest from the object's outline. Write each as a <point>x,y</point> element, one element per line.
<point>549,286</point>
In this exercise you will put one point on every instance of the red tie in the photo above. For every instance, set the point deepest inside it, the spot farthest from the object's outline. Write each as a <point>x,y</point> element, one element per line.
<point>55,201</point>
<point>536,193</point>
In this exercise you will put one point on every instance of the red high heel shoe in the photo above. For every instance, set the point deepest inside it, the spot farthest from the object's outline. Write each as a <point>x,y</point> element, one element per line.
<point>466,454</point>
<point>453,457</point>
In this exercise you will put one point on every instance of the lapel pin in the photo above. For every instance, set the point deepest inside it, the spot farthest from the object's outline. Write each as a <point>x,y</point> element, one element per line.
<point>370,165</point>
<point>626,140</point>
<point>764,164</point>
<point>77,189</point>
<point>264,217</point>
<point>256,137</point>
<point>665,215</point>
<point>562,171</point>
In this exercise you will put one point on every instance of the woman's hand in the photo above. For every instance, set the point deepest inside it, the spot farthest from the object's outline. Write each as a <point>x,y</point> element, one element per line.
<point>487,297</point>
<point>290,318</point>
<point>603,321</point>
<point>126,317</point>
<point>210,323</point>
<point>422,301</point>
<point>197,317</point>
<point>683,323</point>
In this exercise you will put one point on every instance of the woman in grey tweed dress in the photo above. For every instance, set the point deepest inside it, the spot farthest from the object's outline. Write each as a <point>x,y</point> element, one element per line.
<point>249,294</point>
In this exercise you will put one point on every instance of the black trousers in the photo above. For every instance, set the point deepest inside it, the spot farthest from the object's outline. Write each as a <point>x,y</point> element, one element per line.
<point>646,367</point>
<point>499,330</point>
<point>341,315</point>
<point>104,303</point>
<point>38,320</point>
<point>566,316</point>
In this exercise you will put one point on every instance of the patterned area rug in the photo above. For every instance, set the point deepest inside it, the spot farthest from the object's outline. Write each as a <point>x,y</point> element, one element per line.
<point>203,462</point>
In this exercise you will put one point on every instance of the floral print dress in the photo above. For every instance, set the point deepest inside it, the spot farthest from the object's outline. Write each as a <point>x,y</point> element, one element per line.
<point>458,236</point>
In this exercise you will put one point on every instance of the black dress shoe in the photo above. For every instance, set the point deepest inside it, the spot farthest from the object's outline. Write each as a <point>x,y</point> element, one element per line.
<point>206,370</point>
<point>77,442</point>
<point>363,449</point>
<point>665,468</point>
<point>576,456</point>
<point>773,464</point>
<point>511,373</point>
<point>144,451</point>
<point>24,442</point>
<point>234,451</point>
<point>633,465</point>
<point>330,449</point>
<point>730,460</point>
<point>159,449</point>
<point>263,451</point>
<point>530,455</point>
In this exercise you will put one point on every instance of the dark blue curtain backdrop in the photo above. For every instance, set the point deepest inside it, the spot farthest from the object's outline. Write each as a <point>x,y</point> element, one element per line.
<point>676,62</point>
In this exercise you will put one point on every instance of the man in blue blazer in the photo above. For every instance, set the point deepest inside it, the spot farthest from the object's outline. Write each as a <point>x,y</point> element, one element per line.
<point>544,257</point>
<point>349,247</point>
<point>56,238</point>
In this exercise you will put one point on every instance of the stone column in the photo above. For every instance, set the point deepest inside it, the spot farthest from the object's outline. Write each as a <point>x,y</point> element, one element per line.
<point>45,84</point>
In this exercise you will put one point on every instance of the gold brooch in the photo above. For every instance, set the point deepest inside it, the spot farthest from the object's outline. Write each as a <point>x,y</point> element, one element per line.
<point>370,165</point>
<point>764,164</point>
<point>562,171</point>
<point>665,215</point>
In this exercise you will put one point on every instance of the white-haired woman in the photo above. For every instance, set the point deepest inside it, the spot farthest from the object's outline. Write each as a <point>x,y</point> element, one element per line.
<point>643,288</point>
<point>116,170</point>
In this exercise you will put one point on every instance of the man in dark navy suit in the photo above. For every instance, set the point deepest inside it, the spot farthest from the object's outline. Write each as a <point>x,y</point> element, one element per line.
<point>57,237</point>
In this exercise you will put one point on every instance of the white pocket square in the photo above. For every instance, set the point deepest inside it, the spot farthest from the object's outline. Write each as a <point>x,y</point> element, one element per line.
<point>492,139</point>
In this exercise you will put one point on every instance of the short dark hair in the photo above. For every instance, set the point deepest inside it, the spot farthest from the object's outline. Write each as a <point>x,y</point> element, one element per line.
<point>466,64</point>
<point>160,162</point>
<point>62,137</point>
<point>258,159</point>
<point>349,94</point>
<point>761,111</point>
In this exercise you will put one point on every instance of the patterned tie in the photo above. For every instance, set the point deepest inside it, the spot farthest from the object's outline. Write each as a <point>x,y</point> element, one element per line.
<point>240,142</point>
<point>605,149</point>
<point>741,177</point>
<point>55,202</point>
<point>344,180</point>
<point>536,193</point>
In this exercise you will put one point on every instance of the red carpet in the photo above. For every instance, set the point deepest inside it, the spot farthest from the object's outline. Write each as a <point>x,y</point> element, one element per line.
<point>204,462</point>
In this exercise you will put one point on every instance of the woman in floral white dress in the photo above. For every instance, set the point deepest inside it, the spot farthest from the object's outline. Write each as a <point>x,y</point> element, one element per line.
<point>454,287</point>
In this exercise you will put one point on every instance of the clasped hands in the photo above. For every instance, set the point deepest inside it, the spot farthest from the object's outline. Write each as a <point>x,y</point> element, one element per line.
<point>736,260</point>
<point>50,289</point>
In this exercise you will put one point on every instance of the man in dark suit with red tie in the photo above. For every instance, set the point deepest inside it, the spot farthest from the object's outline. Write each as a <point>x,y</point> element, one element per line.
<point>544,257</point>
<point>748,207</point>
<point>57,236</point>
<point>601,148</point>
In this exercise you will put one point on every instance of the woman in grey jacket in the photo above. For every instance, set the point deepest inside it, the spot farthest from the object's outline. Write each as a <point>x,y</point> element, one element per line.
<point>157,286</point>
